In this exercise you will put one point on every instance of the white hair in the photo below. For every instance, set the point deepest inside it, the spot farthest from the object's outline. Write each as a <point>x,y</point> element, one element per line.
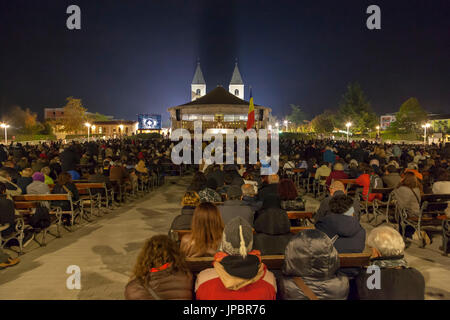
<point>387,241</point>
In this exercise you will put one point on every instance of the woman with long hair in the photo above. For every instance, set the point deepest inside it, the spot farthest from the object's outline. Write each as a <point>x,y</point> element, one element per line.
<point>207,227</point>
<point>408,196</point>
<point>160,272</point>
<point>290,200</point>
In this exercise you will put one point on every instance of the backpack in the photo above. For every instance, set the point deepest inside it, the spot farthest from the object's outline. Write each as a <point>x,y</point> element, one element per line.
<point>41,217</point>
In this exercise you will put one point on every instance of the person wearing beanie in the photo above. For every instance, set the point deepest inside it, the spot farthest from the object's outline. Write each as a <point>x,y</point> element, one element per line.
<point>237,273</point>
<point>234,206</point>
<point>209,193</point>
<point>337,173</point>
<point>38,185</point>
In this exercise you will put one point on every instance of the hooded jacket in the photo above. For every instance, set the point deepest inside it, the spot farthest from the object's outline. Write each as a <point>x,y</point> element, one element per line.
<point>272,232</point>
<point>351,235</point>
<point>236,278</point>
<point>167,284</point>
<point>311,255</point>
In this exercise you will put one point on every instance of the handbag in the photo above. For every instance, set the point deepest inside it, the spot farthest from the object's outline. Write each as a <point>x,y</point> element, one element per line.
<point>304,287</point>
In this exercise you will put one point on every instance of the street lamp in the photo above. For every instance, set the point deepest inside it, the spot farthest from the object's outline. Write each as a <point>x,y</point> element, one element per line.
<point>6,126</point>
<point>121,130</point>
<point>425,126</point>
<point>348,125</point>
<point>286,124</point>
<point>88,125</point>
<point>378,131</point>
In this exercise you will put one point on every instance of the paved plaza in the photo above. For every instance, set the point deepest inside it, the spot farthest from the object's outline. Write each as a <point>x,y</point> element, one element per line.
<point>106,249</point>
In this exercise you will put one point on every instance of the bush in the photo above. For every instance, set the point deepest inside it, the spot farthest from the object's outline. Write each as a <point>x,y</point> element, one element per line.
<point>34,137</point>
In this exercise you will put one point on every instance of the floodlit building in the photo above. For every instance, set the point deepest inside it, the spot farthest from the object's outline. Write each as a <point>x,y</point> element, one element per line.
<point>219,109</point>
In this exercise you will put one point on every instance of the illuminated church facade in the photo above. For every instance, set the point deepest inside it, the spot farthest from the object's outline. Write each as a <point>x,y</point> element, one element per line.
<point>220,110</point>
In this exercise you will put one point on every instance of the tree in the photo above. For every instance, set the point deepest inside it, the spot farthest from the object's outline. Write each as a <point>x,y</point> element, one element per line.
<point>410,117</point>
<point>355,108</point>
<point>23,120</point>
<point>297,116</point>
<point>98,117</point>
<point>74,115</point>
<point>324,122</point>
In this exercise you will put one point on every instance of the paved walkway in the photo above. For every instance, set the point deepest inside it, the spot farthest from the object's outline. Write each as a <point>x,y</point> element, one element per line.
<point>106,250</point>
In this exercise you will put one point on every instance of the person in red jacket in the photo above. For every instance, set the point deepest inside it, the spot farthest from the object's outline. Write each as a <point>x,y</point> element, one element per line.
<point>237,273</point>
<point>364,181</point>
<point>337,173</point>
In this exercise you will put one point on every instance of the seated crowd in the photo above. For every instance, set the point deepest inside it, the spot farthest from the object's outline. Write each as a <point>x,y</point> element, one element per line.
<point>236,216</point>
<point>53,168</point>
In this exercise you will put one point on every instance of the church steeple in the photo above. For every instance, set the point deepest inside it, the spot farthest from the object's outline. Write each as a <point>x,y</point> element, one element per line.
<point>198,85</point>
<point>236,84</point>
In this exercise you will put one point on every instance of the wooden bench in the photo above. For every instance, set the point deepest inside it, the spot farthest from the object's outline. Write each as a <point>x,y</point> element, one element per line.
<point>432,213</point>
<point>76,207</point>
<point>179,234</point>
<point>275,262</point>
<point>27,208</point>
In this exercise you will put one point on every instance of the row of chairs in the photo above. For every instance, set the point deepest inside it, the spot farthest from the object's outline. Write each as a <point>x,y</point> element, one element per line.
<point>95,199</point>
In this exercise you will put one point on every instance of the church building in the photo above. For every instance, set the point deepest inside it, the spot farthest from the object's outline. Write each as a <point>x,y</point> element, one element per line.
<point>220,110</point>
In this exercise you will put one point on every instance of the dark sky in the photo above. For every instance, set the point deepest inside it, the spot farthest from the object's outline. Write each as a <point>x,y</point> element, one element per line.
<point>135,56</point>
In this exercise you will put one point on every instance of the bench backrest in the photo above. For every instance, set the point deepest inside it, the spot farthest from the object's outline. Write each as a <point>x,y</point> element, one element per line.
<point>299,214</point>
<point>41,197</point>
<point>181,233</point>
<point>275,262</point>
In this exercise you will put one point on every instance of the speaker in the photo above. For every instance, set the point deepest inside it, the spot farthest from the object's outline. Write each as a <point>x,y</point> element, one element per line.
<point>261,114</point>
<point>178,114</point>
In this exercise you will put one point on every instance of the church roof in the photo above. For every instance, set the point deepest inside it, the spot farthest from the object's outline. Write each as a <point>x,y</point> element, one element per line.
<point>198,76</point>
<point>218,96</point>
<point>236,77</point>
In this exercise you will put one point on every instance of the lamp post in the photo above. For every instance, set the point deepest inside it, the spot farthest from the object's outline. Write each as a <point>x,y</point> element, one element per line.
<point>425,126</point>
<point>348,125</point>
<point>286,124</point>
<point>378,131</point>
<point>6,126</point>
<point>88,125</point>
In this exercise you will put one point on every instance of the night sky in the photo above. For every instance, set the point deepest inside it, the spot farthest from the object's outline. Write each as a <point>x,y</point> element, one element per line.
<point>140,56</point>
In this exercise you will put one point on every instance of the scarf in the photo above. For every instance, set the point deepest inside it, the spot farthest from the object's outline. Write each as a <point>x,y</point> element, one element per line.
<point>390,262</point>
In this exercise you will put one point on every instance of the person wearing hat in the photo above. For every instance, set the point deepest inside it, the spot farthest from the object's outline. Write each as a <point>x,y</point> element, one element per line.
<point>337,173</point>
<point>238,272</point>
<point>38,185</point>
<point>234,206</point>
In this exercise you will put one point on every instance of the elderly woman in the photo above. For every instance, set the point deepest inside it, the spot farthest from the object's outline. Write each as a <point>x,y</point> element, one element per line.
<point>396,281</point>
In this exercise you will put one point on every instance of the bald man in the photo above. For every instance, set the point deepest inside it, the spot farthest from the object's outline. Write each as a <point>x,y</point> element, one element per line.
<point>336,187</point>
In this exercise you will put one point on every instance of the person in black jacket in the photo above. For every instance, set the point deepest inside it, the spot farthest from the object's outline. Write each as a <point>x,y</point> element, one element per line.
<point>341,222</point>
<point>7,218</point>
<point>396,281</point>
<point>183,221</point>
<point>65,185</point>
<point>69,159</point>
<point>25,179</point>
<point>272,232</point>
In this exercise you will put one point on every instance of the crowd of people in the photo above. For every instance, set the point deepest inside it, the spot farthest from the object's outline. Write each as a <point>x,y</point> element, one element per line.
<point>236,216</point>
<point>54,167</point>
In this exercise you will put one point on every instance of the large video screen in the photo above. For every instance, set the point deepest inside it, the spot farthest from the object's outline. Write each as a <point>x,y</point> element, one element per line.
<point>149,121</point>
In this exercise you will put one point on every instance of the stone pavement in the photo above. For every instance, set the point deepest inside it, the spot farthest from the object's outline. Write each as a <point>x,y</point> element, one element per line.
<point>106,249</point>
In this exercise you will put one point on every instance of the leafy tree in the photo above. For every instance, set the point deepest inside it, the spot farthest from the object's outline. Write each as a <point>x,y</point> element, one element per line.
<point>324,122</point>
<point>410,117</point>
<point>98,117</point>
<point>355,108</point>
<point>22,120</point>
<point>297,116</point>
<point>74,115</point>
